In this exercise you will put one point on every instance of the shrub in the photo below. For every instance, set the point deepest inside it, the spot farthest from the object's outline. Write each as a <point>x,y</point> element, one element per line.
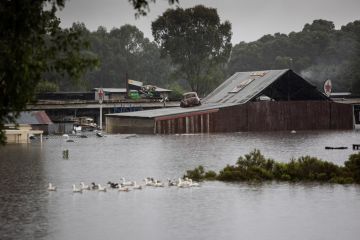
<point>254,166</point>
<point>197,174</point>
<point>210,175</point>
<point>353,166</point>
<point>255,159</point>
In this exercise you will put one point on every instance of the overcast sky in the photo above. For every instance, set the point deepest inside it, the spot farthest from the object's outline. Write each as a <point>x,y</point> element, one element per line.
<point>250,19</point>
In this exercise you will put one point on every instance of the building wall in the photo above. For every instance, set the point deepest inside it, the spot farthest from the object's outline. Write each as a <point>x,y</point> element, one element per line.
<point>43,127</point>
<point>197,122</point>
<point>129,125</point>
<point>21,134</point>
<point>117,96</point>
<point>277,116</point>
<point>61,127</point>
<point>263,116</point>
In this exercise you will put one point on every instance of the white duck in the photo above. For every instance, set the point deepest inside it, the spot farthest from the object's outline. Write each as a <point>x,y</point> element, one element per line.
<point>84,187</point>
<point>183,184</point>
<point>126,183</point>
<point>51,187</point>
<point>193,184</point>
<point>158,183</point>
<point>101,189</point>
<point>171,183</point>
<point>139,187</point>
<point>77,190</point>
<point>148,182</point>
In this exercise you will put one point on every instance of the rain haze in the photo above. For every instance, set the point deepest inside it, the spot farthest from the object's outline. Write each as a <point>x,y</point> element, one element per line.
<point>250,19</point>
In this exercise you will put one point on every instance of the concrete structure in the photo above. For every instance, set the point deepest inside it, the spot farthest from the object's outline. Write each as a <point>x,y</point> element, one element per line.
<point>248,101</point>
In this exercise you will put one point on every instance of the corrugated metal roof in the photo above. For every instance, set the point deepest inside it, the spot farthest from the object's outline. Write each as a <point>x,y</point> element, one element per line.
<point>168,111</point>
<point>123,90</point>
<point>112,90</point>
<point>255,84</point>
<point>34,118</point>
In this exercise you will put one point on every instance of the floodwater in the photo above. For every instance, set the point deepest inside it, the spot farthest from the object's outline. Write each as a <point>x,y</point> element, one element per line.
<point>215,210</point>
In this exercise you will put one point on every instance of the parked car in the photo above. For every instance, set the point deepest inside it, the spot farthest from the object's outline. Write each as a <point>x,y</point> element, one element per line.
<point>190,99</point>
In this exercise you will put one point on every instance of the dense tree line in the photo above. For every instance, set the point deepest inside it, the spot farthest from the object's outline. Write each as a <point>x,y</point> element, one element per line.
<point>318,52</point>
<point>190,52</point>
<point>121,52</point>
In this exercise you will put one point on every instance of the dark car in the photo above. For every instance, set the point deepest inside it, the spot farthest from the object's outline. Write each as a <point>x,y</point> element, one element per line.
<point>190,99</point>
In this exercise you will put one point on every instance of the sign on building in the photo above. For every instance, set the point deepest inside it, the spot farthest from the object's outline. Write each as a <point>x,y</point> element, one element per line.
<point>101,95</point>
<point>327,87</point>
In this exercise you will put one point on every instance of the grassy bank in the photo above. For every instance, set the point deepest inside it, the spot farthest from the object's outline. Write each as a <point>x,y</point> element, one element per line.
<point>255,167</point>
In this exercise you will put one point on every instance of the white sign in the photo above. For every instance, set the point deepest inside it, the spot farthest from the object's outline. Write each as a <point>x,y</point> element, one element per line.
<point>101,95</point>
<point>327,87</point>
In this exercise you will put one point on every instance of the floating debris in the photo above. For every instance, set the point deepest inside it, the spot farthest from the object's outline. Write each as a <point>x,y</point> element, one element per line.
<point>331,148</point>
<point>66,154</point>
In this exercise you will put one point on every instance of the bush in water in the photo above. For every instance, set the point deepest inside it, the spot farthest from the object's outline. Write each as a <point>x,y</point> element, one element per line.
<point>255,167</point>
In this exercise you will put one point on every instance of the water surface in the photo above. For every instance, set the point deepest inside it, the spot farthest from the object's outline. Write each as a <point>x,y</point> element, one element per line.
<point>214,211</point>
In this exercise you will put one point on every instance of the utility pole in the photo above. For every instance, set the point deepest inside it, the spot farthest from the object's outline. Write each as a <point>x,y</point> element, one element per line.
<point>127,84</point>
<point>101,98</point>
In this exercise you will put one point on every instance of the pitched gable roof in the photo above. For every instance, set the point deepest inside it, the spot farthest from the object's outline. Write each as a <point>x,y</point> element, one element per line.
<point>276,84</point>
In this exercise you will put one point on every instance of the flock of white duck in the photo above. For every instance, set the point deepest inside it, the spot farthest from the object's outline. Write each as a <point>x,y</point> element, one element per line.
<point>126,186</point>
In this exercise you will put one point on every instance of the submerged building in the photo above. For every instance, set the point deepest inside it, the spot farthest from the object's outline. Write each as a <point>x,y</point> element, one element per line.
<point>271,100</point>
<point>28,125</point>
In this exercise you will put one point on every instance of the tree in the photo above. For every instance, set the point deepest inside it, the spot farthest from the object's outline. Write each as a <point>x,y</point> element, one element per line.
<point>318,52</point>
<point>122,51</point>
<point>142,6</point>
<point>31,44</point>
<point>196,42</point>
<point>33,49</point>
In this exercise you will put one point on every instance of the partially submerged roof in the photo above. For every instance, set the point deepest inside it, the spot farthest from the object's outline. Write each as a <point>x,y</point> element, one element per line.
<point>279,85</point>
<point>166,111</point>
<point>34,118</point>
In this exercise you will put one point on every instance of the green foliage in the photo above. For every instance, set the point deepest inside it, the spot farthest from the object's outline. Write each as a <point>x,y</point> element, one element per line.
<point>307,168</point>
<point>122,51</point>
<point>142,6</point>
<point>210,175</point>
<point>353,166</point>
<point>46,86</point>
<point>199,174</point>
<point>177,91</point>
<point>36,54</point>
<point>196,42</point>
<point>318,52</point>
<point>31,44</point>
<point>255,167</point>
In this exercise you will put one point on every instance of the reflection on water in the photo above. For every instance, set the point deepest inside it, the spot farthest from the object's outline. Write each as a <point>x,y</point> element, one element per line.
<point>214,211</point>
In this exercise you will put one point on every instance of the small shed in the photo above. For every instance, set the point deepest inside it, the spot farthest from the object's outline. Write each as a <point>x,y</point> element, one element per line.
<point>38,120</point>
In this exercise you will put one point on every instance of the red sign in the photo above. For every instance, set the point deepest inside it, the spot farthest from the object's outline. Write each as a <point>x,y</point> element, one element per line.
<point>327,87</point>
<point>101,95</point>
